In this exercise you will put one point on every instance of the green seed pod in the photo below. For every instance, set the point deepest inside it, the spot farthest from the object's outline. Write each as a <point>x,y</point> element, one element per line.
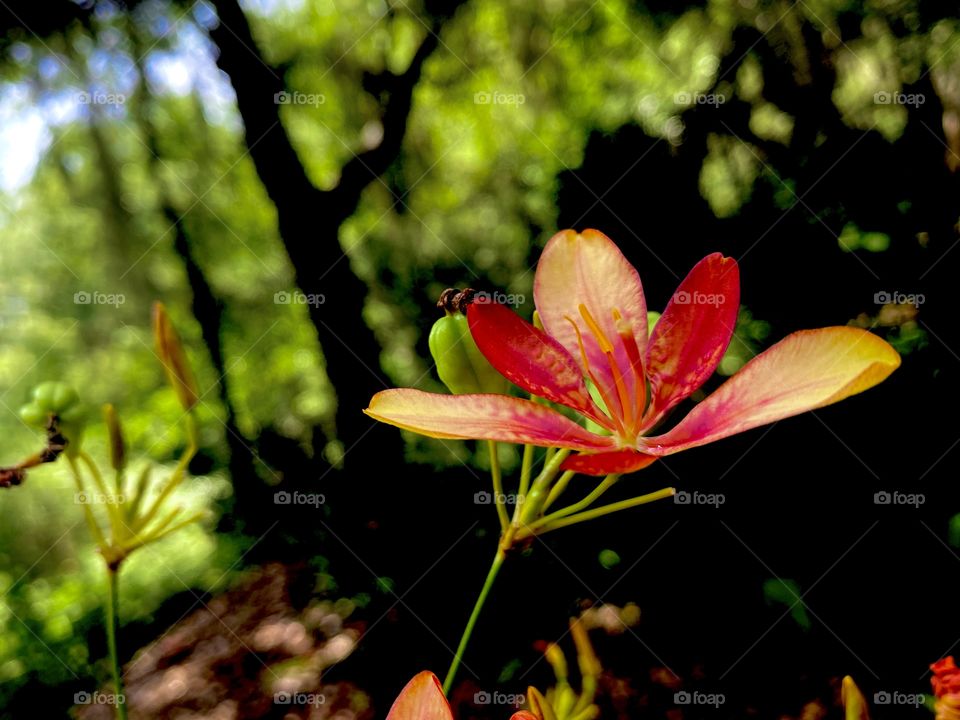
<point>460,364</point>
<point>33,414</point>
<point>73,415</point>
<point>55,397</point>
<point>43,394</point>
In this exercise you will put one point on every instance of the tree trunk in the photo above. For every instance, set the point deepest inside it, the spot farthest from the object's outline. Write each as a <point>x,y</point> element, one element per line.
<point>310,219</point>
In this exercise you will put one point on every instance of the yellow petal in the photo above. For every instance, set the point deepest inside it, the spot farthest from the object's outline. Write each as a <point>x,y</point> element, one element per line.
<point>804,371</point>
<point>482,417</point>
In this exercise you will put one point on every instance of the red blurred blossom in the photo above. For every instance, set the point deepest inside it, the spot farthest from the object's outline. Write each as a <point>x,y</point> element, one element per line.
<point>946,687</point>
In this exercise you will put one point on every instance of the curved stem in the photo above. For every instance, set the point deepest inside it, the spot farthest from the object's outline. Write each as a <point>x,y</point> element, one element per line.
<point>94,471</point>
<point>498,497</point>
<point>158,533</point>
<point>533,501</point>
<point>557,490</point>
<point>542,527</point>
<point>526,469</point>
<point>608,482</point>
<point>109,499</point>
<point>175,479</point>
<point>478,606</point>
<point>113,628</point>
<point>95,532</point>
<point>139,491</point>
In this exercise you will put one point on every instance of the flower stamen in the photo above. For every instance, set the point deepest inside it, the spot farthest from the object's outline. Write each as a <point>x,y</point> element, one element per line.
<point>629,342</point>
<point>607,400</point>
<point>626,406</point>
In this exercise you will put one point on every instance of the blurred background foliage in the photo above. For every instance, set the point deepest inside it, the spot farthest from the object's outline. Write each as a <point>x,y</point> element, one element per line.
<point>133,166</point>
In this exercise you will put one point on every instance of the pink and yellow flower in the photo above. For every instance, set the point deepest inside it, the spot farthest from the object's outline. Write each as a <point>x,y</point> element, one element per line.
<point>595,334</point>
<point>423,699</point>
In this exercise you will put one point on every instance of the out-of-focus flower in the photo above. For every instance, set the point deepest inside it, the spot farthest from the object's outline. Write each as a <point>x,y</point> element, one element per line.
<point>423,699</point>
<point>946,688</point>
<point>854,704</point>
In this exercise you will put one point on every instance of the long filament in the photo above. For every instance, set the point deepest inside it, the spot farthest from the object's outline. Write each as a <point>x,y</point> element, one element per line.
<point>607,400</point>
<point>626,406</point>
<point>629,342</point>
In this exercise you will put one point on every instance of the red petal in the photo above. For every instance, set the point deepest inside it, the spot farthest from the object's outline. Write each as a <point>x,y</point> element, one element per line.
<point>482,417</point>
<point>607,463</point>
<point>531,359</point>
<point>421,699</point>
<point>693,333</point>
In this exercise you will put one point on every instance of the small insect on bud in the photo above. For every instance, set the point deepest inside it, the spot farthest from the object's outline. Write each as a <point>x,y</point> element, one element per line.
<point>446,300</point>
<point>174,359</point>
<point>460,364</point>
<point>456,301</point>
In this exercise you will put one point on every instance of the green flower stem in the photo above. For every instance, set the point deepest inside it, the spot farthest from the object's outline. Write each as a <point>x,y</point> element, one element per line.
<point>176,478</point>
<point>608,482</point>
<point>471,623</point>
<point>588,691</point>
<point>526,469</point>
<point>557,490</point>
<point>158,526</point>
<point>113,628</point>
<point>95,531</point>
<point>113,508</point>
<point>161,531</point>
<point>498,487</point>
<point>527,502</point>
<point>533,501</point>
<point>541,527</point>
<point>138,493</point>
<point>588,713</point>
<point>94,471</point>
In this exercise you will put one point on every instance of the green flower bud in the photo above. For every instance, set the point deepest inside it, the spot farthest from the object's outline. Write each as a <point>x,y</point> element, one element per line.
<point>115,432</point>
<point>460,364</point>
<point>174,358</point>
<point>652,317</point>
